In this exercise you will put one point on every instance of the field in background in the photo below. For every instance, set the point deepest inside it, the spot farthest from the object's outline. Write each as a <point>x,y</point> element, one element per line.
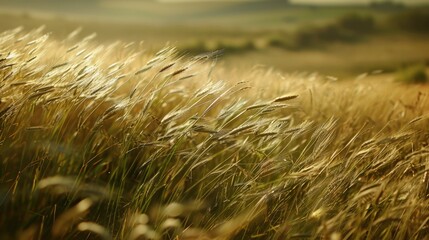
<point>248,15</point>
<point>250,33</point>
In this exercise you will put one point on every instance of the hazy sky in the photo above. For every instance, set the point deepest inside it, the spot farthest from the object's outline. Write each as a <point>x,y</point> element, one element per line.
<point>354,1</point>
<point>310,1</point>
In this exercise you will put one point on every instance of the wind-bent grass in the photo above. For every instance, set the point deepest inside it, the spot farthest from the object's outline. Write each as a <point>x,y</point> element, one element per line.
<point>110,142</point>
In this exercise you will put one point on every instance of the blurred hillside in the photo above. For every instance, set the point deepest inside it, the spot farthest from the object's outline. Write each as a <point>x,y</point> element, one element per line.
<point>286,36</point>
<point>249,14</point>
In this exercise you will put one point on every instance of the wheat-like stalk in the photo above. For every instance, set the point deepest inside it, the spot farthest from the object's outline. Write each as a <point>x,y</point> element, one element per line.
<point>116,142</point>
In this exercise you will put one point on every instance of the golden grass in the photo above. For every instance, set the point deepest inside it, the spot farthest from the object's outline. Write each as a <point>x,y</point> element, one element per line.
<point>110,142</point>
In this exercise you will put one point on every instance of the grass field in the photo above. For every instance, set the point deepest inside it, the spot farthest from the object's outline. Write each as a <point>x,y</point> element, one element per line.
<point>105,139</point>
<point>384,50</point>
<point>112,142</point>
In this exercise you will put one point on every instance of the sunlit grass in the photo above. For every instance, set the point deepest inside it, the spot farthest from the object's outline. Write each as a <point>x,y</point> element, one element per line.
<point>108,141</point>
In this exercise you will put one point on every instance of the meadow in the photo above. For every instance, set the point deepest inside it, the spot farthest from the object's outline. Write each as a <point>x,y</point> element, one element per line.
<point>128,140</point>
<point>110,142</point>
<point>249,34</point>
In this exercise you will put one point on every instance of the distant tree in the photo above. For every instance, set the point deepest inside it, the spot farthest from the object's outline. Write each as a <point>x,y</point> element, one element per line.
<point>285,1</point>
<point>386,4</point>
